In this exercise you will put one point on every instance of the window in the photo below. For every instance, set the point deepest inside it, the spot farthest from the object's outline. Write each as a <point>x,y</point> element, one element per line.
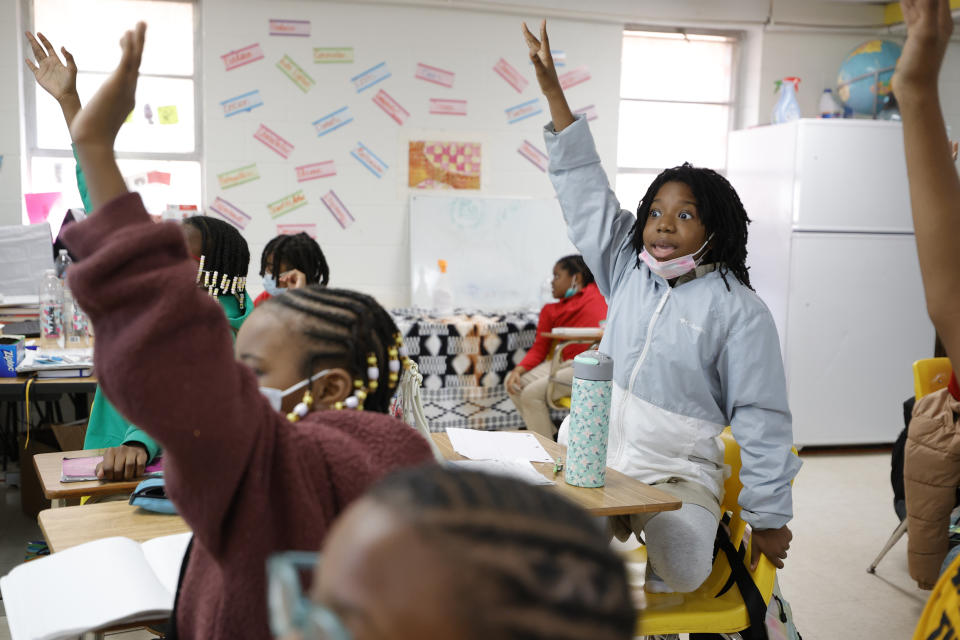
<point>158,149</point>
<point>676,106</point>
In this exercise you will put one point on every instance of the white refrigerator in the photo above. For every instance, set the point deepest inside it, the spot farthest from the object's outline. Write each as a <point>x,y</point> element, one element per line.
<point>832,253</point>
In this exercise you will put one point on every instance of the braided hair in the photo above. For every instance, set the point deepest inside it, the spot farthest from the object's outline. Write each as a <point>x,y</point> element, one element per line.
<point>574,264</point>
<point>300,252</point>
<point>722,214</point>
<point>343,328</point>
<point>533,565</point>
<point>224,257</point>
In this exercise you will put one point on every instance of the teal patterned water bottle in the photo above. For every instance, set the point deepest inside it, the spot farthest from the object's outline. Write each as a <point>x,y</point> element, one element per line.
<point>586,462</point>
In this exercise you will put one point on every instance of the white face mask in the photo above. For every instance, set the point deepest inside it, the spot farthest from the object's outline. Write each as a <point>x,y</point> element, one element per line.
<point>270,285</point>
<point>276,396</point>
<point>670,269</point>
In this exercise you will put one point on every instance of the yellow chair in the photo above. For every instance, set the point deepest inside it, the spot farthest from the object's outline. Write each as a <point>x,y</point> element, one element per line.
<point>556,361</point>
<point>704,611</point>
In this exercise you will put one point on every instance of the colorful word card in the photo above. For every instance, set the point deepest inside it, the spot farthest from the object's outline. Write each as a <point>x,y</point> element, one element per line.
<point>370,77</point>
<point>325,169</point>
<point>167,115</point>
<point>332,55</point>
<point>443,107</point>
<point>240,57</point>
<point>523,111</point>
<point>574,77</point>
<point>590,111</point>
<point>274,141</point>
<point>534,155</point>
<point>509,73</point>
<point>333,121</point>
<point>239,176</point>
<point>287,203</point>
<point>369,159</point>
<point>230,213</point>
<point>391,107</point>
<point>337,208</point>
<point>158,177</point>
<point>309,228</point>
<point>441,77</point>
<point>289,27</point>
<point>296,73</point>
<point>244,102</point>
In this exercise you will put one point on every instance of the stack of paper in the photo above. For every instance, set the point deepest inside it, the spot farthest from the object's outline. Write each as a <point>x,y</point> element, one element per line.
<point>497,445</point>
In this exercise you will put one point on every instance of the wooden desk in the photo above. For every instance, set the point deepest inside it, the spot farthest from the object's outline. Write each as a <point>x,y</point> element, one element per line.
<point>578,337</point>
<point>11,386</point>
<point>48,466</point>
<point>621,495</point>
<point>70,526</point>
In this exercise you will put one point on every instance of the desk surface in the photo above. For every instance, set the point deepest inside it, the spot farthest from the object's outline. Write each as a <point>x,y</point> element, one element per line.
<point>48,466</point>
<point>595,335</point>
<point>621,495</point>
<point>70,526</point>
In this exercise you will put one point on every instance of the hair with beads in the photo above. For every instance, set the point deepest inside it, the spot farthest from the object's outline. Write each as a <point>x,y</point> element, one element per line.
<point>531,564</point>
<point>298,251</point>
<point>224,258</point>
<point>348,329</point>
<point>574,264</point>
<point>720,210</point>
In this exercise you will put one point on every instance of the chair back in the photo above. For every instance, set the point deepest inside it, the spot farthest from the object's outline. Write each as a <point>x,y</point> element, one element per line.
<point>929,375</point>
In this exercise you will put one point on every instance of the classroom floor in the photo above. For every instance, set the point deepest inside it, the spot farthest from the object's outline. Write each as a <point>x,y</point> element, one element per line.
<point>843,517</point>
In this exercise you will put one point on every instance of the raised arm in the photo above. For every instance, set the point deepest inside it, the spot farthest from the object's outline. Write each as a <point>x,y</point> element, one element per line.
<point>547,77</point>
<point>934,186</point>
<point>56,78</point>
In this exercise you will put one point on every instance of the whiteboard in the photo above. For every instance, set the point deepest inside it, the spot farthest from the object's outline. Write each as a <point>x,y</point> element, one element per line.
<point>499,251</point>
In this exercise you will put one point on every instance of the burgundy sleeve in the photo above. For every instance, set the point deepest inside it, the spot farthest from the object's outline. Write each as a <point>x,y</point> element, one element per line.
<point>541,345</point>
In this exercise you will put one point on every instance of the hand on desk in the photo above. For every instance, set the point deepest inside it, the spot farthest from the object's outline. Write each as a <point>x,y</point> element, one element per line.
<point>125,462</point>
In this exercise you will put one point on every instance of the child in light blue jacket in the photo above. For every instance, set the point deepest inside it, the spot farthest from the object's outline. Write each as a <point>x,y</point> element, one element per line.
<point>695,349</point>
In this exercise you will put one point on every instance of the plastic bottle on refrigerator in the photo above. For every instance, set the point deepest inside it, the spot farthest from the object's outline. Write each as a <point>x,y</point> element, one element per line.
<point>828,106</point>
<point>442,291</point>
<point>52,328</point>
<point>787,108</point>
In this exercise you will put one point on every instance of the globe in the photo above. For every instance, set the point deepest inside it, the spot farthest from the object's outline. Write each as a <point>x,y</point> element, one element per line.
<point>856,91</point>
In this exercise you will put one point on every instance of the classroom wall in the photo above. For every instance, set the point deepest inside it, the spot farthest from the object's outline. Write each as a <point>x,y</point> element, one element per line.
<point>11,140</point>
<point>372,253</point>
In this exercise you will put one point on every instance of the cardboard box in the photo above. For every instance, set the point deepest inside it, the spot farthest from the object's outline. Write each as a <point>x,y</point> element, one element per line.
<point>12,352</point>
<point>70,436</point>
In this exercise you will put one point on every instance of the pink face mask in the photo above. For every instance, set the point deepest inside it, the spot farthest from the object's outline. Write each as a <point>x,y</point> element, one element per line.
<point>670,269</point>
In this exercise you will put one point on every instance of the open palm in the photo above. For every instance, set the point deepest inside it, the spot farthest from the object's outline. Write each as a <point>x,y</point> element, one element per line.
<point>57,78</point>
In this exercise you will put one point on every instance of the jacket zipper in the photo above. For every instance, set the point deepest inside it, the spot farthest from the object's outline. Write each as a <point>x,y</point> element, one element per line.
<point>636,371</point>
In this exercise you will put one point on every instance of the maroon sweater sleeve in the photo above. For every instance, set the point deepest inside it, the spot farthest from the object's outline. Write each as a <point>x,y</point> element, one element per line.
<point>541,345</point>
<point>165,358</point>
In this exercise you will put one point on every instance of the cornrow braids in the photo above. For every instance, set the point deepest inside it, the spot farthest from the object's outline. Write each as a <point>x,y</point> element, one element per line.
<point>224,258</point>
<point>534,565</point>
<point>344,327</point>
<point>574,264</point>
<point>299,251</point>
<point>719,208</point>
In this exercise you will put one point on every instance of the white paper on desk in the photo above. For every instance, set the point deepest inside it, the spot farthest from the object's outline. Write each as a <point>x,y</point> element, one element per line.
<point>497,445</point>
<point>516,469</point>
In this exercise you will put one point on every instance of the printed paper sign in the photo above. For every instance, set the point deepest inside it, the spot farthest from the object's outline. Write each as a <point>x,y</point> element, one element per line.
<point>391,107</point>
<point>444,164</point>
<point>240,57</point>
<point>523,111</point>
<point>239,176</point>
<point>534,155</point>
<point>370,77</point>
<point>337,209</point>
<point>590,111</point>
<point>293,71</point>
<point>167,115</point>
<point>309,228</point>
<point>244,102</point>
<point>289,27</point>
<point>332,55</point>
<point>158,177</point>
<point>333,121</point>
<point>574,77</point>
<point>286,204</point>
<point>441,77</point>
<point>316,170</point>
<point>369,159</point>
<point>273,140</point>
<point>230,213</point>
<point>509,73</point>
<point>443,107</point>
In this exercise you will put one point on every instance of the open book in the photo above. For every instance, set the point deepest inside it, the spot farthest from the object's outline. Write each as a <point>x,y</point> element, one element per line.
<point>93,586</point>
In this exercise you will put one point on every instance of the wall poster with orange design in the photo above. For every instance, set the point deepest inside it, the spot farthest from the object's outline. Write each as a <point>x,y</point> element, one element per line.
<point>436,164</point>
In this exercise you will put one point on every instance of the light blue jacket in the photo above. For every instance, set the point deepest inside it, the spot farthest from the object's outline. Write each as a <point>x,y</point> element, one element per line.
<point>694,357</point>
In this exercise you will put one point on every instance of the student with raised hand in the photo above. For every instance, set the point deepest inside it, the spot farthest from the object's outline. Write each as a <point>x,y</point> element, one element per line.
<point>694,348</point>
<point>480,556</point>
<point>257,459</point>
<point>290,262</point>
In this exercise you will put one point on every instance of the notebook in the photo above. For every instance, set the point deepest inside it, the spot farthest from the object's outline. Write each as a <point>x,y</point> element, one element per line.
<point>93,586</point>
<point>85,469</point>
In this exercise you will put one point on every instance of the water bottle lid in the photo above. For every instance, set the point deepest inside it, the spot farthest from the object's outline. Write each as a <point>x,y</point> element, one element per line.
<point>593,365</point>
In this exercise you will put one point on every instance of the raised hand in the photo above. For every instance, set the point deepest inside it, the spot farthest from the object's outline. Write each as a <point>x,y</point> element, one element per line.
<point>929,25</point>
<point>547,77</point>
<point>57,79</point>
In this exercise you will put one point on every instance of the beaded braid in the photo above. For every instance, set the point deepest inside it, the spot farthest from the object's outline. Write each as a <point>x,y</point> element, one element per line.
<point>531,564</point>
<point>299,251</point>
<point>224,258</point>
